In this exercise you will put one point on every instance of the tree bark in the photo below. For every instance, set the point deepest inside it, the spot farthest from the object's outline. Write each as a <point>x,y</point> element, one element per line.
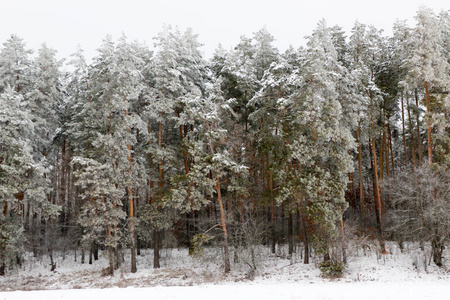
<point>156,244</point>
<point>224,227</point>
<point>404,132</point>
<point>290,234</point>
<point>361,182</point>
<point>344,248</point>
<point>391,150</point>
<point>222,211</point>
<point>377,195</point>
<point>419,138</point>
<point>437,249</point>
<point>305,237</point>
<point>413,154</point>
<point>427,97</point>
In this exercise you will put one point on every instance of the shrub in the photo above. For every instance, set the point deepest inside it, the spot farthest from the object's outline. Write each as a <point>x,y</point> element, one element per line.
<point>332,268</point>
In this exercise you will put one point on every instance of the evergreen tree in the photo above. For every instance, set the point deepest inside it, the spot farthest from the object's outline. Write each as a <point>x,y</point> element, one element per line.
<point>23,187</point>
<point>15,65</point>
<point>115,82</point>
<point>428,68</point>
<point>317,159</point>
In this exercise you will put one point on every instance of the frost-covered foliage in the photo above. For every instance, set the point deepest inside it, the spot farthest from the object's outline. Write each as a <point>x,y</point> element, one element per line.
<point>15,65</point>
<point>105,167</point>
<point>210,155</point>
<point>140,146</point>
<point>317,160</point>
<point>24,185</point>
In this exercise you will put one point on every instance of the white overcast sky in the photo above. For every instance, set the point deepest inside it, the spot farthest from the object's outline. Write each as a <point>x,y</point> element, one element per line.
<point>63,24</point>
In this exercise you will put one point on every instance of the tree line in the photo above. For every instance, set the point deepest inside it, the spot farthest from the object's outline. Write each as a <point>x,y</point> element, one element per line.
<point>149,148</point>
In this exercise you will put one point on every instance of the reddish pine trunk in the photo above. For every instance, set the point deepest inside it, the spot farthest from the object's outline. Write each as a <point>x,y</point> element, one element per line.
<point>361,183</point>
<point>376,188</point>
<point>224,227</point>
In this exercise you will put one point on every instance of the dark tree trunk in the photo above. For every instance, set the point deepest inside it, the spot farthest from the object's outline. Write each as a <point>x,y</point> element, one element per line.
<point>138,245</point>
<point>95,251</point>
<point>361,183</point>
<point>272,230</point>
<point>290,234</point>
<point>438,249</point>
<point>156,244</point>
<point>52,262</point>
<point>305,239</point>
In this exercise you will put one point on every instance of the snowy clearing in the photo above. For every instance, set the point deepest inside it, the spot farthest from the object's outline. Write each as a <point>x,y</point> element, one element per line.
<point>398,275</point>
<point>330,290</point>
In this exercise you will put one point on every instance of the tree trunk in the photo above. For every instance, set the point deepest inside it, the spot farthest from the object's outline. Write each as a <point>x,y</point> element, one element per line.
<point>62,195</point>
<point>272,228</point>
<point>387,203</point>
<point>419,138</point>
<point>381,169</point>
<point>222,211</point>
<point>413,154</point>
<point>130,202</point>
<point>305,239</point>
<point>404,132</point>
<point>290,234</point>
<point>186,166</point>
<point>438,249</point>
<point>95,247</point>
<point>351,180</point>
<point>156,244</point>
<point>361,182</point>
<point>391,150</point>
<point>224,227</point>
<point>111,258</point>
<point>344,248</point>
<point>377,195</point>
<point>272,205</point>
<point>160,170</point>
<point>427,97</point>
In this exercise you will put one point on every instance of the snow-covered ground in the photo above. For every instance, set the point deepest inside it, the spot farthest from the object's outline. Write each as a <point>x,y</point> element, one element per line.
<point>397,275</point>
<point>331,290</point>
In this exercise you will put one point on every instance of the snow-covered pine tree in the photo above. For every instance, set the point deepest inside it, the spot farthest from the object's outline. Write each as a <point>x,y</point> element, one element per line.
<point>266,130</point>
<point>428,69</point>
<point>211,155</point>
<point>115,81</point>
<point>23,192</point>
<point>177,72</point>
<point>15,65</point>
<point>25,183</point>
<point>165,87</point>
<point>45,98</point>
<point>317,157</point>
<point>76,138</point>
<point>365,49</point>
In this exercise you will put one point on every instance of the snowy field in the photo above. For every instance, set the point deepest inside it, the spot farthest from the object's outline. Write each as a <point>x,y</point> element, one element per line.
<point>397,275</point>
<point>330,290</point>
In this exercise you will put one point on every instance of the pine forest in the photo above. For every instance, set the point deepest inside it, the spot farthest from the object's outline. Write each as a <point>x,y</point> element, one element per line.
<point>155,148</point>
